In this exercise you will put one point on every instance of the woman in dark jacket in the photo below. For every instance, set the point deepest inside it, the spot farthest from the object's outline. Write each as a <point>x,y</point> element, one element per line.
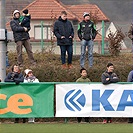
<point>17,77</point>
<point>64,32</point>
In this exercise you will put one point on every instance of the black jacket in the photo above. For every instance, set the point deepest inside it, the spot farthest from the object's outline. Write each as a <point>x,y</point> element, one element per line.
<point>18,31</point>
<point>86,30</point>
<point>113,78</point>
<point>14,77</point>
<point>63,28</point>
<point>26,22</point>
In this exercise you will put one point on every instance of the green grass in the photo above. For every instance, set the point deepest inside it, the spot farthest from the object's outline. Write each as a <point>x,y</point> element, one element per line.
<point>66,128</point>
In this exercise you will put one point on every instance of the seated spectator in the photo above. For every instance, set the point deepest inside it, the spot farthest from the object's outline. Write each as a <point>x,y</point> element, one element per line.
<point>83,78</point>
<point>15,76</point>
<point>109,77</point>
<point>30,78</point>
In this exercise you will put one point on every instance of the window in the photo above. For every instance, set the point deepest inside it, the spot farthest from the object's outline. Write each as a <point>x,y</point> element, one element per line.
<point>46,32</point>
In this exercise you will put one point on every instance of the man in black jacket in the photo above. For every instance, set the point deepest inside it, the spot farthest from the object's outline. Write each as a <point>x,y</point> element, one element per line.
<point>86,33</point>
<point>21,37</point>
<point>109,77</point>
<point>64,32</point>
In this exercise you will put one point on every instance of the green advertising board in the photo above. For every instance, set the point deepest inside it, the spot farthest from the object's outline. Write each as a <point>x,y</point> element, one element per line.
<point>26,100</point>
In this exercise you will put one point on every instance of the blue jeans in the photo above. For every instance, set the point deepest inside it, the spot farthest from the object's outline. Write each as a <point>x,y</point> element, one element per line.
<point>69,50</point>
<point>89,44</point>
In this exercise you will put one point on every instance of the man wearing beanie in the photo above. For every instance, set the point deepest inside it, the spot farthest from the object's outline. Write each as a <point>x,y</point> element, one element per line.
<point>21,37</point>
<point>86,33</point>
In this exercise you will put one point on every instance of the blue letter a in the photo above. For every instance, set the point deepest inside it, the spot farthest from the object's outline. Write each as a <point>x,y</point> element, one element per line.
<point>123,102</point>
<point>96,100</point>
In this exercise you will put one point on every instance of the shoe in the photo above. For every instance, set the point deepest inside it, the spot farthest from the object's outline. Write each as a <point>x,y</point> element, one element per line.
<point>104,121</point>
<point>130,121</point>
<point>64,66</point>
<point>16,120</point>
<point>31,120</point>
<point>24,120</point>
<point>110,121</point>
<point>70,66</point>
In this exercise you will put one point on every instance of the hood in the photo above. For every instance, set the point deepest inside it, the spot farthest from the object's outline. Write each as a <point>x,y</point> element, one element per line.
<point>60,19</point>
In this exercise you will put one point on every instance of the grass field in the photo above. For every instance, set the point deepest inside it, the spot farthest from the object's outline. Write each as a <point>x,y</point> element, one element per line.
<point>66,128</point>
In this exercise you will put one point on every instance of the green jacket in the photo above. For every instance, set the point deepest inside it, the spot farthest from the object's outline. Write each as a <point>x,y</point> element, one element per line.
<point>83,79</point>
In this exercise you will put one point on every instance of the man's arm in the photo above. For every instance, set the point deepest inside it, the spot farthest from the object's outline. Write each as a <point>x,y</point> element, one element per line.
<point>114,78</point>
<point>56,30</point>
<point>17,28</point>
<point>105,79</point>
<point>79,32</point>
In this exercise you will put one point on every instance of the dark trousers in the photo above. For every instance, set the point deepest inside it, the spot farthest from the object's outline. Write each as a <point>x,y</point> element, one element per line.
<point>17,120</point>
<point>69,50</point>
<point>87,119</point>
<point>27,45</point>
<point>130,120</point>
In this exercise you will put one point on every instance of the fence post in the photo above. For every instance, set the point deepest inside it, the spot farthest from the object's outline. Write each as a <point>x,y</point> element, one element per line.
<point>102,37</point>
<point>42,42</point>
<point>74,46</point>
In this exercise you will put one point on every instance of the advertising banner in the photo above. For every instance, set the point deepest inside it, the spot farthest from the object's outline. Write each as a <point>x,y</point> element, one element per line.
<point>26,100</point>
<point>94,100</point>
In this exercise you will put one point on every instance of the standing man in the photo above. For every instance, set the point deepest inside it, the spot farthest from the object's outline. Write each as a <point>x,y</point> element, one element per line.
<point>130,34</point>
<point>86,33</point>
<point>64,32</point>
<point>21,37</point>
<point>109,77</point>
<point>130,79</point>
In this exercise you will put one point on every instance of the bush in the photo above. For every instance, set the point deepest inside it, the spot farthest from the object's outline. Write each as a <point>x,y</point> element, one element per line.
<point>48,68</point>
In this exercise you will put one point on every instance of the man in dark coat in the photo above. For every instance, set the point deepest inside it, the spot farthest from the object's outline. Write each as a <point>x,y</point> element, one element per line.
<point>109,77</point>
<point>21,37</point>
<point>64,32</point>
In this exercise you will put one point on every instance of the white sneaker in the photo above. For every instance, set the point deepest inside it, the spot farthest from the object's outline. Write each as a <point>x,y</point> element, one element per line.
<point>31,120</point>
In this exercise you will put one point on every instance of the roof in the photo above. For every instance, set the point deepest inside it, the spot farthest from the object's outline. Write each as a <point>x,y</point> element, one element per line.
<point>12,5</point>
<point>90,8</point>
<point>47,9</point>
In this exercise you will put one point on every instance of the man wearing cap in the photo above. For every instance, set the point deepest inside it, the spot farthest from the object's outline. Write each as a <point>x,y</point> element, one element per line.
<point>86,33</point>
<point>21,37</point>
